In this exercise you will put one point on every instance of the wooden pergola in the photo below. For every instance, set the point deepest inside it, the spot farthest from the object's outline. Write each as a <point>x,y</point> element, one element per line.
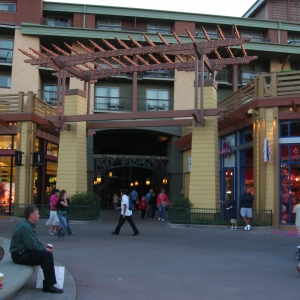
<point>91,66</point>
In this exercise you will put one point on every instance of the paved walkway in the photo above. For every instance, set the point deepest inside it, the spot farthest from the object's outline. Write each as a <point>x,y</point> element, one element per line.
<point>173,263</point>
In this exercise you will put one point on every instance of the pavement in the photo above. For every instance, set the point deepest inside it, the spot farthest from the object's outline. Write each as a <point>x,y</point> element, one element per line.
<point>169,262</point>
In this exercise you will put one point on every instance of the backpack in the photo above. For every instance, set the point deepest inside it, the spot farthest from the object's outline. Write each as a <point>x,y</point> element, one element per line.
<point>129,204</point>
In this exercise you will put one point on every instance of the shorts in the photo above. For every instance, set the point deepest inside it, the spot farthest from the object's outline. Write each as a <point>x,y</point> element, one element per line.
<point>53,220</point>
<point>246,212</point>
<point>233,221</point>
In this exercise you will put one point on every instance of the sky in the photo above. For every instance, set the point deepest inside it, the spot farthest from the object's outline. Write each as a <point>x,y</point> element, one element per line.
<point>234,8</point>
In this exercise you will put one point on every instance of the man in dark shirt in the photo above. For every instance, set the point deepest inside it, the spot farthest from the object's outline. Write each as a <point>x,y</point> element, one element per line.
<point>246,207</point>
<point>26,249</point>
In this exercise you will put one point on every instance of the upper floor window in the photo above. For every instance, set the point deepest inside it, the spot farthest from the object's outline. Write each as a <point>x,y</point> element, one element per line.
<point>6,50</point>
<point>11,7</point>
<point>106,97</point>
<point>58,21</point>
<point>294,39</point>
<point>157,27</point>
<point>211,31</point>
<point>5,81</point>
<point>157,99</point>
<point>109,25</point>
<point>255,36</point>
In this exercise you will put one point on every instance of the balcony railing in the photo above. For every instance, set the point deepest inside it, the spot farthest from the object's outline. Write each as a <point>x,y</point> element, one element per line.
<point>265,85</point>
<point>52,22</point>
<point>247,76</point>
<point>6,55</point>
<point>159,74</point>
<point>294,42</point>
<point>138,29</point>
<point>125,104</point>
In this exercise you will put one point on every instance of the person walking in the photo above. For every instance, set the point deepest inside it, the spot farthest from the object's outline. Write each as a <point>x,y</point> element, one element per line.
<point>148,195</point>
<point>296,211</point>
<point>69,230</point>
<point>143,207</point>
<point>26,249</point>
<point>53,220</point>
<point>126,214</point>
<point>62,205</point>
<point>116,200</point>
<point>161,202</point>
<point>233,215</point>
<point>152,206</point>
<point>246,207</point>
<point>134,198</point>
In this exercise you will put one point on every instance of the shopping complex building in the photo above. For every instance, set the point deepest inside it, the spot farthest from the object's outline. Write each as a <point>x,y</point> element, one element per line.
<point>133,130</point>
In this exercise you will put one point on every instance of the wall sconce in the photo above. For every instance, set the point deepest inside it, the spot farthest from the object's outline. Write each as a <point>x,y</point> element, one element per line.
<point>297,179</point>
<point>95,182</point>
<point>131,184</point>
<point>147,181</point>
<point>165,181</point>
<point>136,183</point>
<point>110,174</point>
<point>252,111</point>
<point>98,180</point>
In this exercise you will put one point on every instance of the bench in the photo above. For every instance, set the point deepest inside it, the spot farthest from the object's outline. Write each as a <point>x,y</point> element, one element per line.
<point>15,276</point>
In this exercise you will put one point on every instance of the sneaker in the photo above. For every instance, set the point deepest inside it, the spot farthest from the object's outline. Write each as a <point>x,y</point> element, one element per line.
<point>246,228</point>
<point>51,232</point>
<point>235,228</point>
<point>61,238</point>
<point>71,232</point>
<point>298,247</point>
<point>231,228</point>
<point>163,220</point>
<point>158,219</point>
<point>249,227</point>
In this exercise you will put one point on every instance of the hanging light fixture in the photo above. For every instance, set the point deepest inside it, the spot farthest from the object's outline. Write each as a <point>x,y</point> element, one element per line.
<point>136,183</point>
<point>98,179</point>
<point>165,181</point>
<point>131,184</point>
<point>147,181</point>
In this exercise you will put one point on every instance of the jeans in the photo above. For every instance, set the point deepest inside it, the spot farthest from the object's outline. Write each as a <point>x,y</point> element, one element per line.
<point>161,211</point>
<point>152,211</point>
<point>63,225</point>
<point>115,206</point>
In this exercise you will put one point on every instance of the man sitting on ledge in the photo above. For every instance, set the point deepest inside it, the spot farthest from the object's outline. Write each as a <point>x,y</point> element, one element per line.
<point>26,249</point>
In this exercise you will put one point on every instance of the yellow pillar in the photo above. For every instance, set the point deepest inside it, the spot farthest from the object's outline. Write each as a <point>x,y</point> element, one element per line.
<point>72,160</point>
<point>25,143</point>
<point>204,177</point>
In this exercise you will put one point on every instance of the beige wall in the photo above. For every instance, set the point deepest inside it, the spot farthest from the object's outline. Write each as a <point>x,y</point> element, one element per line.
<point>24,76</point>
<point>275,65</point>
<point>184,92</point>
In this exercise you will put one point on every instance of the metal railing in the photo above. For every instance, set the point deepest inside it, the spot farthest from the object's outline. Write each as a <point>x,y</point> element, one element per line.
<point>139,29</point>
<point>6,55</point>
<point>53,22</point>
<point>214,216</point>
<point>83,213</point>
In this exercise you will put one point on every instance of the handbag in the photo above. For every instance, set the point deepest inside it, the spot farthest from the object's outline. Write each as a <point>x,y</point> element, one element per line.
<point>164,204</point>
<point>59,274</point>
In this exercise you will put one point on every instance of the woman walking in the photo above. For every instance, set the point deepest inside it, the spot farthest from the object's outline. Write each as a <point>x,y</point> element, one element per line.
<point>62,205</point>
<point>161,202</point>
<point>53,220</point>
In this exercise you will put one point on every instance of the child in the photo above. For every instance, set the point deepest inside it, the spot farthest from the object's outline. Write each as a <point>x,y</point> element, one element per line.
<point>143,207</point>
<point>233,215</point>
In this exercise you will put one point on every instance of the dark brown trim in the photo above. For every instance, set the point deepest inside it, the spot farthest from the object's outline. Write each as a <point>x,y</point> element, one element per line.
<point>8,130</point>
<point>51,158</point>
<point>47,136</point>
<point>7,152</point>
<point>76,92</point>
<point>235,127</point>
<point>148,123</point>
<point>289,115</point>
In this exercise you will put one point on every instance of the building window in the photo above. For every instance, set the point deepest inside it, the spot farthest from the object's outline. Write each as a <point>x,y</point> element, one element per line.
<point>49,94</point>
<point>10,7</point>
<point>106,97</point>
<point>6,50</point>
<point>294,39</point>
<point>246,135</point>
<point>5,81</point>
<point>255,36</point>
<point>290,181</point>
<point>52,149</point>
<point>109,25</point>
<point>290,129</point>
<point>58,21</point>
<point>211,31</point>
<point>157,99</point>
<point>157,27</point>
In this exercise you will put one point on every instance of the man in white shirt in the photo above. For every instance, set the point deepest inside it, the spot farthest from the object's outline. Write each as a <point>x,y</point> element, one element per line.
<point>125,215</point>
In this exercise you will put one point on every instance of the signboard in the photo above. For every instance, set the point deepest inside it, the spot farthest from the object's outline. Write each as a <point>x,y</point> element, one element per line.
<point>267,151</point>
<point>38,159</point>
<point>18,158</point>
<point>225,149</point>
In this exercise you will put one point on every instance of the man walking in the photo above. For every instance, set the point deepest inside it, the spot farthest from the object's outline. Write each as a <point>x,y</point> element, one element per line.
<point>148,196</point>
<point>125,215</point>
<point>134,197</point>
<point>246,207</point>
<point>26,249</point>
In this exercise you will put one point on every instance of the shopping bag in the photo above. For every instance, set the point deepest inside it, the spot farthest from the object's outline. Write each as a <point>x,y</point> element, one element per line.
<point>59,274</point>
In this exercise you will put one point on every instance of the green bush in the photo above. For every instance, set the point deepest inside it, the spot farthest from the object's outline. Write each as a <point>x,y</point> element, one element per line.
<point>85,199</point>
<point>181,202</point>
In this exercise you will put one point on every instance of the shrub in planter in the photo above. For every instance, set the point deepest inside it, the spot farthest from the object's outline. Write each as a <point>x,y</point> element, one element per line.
<point>181,202</point>
<point>179,210</point>
<point>85,199</point>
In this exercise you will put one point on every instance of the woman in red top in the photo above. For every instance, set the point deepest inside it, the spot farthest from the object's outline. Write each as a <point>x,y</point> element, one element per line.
<point>162,197</point>
<point>53,220</point>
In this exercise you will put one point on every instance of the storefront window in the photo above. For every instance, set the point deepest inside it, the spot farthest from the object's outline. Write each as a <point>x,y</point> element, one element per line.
<point>52,149</point>
<point>7,142</point>
<point>290,181</point>
<point>291,129</point>
<point>247,135</point>
<point>51,173</point>
<point>247,170</point>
